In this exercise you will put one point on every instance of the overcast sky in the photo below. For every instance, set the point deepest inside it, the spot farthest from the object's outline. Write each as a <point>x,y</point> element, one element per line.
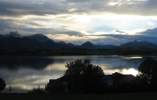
<point>99,21</point>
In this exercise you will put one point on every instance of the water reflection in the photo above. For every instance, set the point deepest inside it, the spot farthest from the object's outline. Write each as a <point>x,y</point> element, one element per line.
<point>15,62</point>
<point>26,73</point>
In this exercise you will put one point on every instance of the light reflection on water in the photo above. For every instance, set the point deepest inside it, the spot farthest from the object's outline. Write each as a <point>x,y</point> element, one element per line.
<point>26,77</point>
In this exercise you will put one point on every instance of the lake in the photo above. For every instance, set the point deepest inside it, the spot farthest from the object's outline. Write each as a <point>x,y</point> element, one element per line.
<point>26,73</point>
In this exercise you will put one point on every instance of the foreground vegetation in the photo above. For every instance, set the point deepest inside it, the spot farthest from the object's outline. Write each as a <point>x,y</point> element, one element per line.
<point>82,77</point>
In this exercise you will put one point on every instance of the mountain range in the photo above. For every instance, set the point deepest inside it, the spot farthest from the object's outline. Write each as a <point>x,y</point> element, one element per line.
<point>39,43</point>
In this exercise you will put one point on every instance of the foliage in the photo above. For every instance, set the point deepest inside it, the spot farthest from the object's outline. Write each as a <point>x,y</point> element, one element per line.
<point>82,67</point>
<point>2,84</point>
<point>149,70</point>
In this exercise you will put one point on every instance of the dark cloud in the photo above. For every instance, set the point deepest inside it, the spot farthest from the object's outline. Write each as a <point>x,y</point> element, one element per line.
<point>42,7</point>
<point>15,8</point>
<point>6,26</point>
<point>135,7</point>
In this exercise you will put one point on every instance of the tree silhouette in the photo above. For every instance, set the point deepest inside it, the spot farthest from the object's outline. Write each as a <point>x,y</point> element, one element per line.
<point>149,70</point>
<point>85,77</point>
<point>80,77</point>
<point>2,84</point>
<point>83,67</point>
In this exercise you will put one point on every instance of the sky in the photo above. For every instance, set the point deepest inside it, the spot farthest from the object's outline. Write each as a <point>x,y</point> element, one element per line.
<point>99,21</point>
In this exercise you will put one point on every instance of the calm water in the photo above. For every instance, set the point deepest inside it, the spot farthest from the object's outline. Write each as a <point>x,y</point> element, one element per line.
<point>22,74</point>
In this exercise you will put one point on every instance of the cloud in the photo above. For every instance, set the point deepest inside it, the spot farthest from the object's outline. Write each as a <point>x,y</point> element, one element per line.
<point>102,39</point>
<point>74,19</point>
<point>133,7</point>
<point>31,7</point>
<point>42,7</point>
<point>6,26</point>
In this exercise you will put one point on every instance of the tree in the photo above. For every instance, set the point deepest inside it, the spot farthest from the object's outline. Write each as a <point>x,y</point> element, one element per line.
<point>2,84</point>
<point>149,70</point>
<point>82,67</point>
<point>80,77</point>
<point>84,76</point>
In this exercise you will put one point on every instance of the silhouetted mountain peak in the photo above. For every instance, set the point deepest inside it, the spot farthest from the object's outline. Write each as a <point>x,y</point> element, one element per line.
<point>40,38</point>
<point>13,34</point>
<point>137,44</point>
<point>87,44</point>
<point>150,32</point>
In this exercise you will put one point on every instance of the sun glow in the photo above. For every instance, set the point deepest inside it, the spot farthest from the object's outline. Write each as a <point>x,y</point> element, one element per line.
<point>131,71</point>
<point>89,24</point>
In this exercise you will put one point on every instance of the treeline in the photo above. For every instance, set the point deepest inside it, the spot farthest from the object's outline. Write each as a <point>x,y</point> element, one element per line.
<point>83,77</point>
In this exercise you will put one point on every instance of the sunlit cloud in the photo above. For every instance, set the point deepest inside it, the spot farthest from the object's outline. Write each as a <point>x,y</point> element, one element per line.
<point>73,38</point>
<point>125,2</point>
<point>79,17</point>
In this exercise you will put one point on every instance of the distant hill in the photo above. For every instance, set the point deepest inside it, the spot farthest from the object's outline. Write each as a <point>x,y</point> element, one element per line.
<point>39,44</point>
<point>90,45</point>
<point>14,41</point>
<point>138,45</point>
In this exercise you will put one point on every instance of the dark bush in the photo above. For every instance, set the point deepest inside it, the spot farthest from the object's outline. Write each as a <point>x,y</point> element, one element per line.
<point>80,77</point>
<point>2,84</point>
<point>149,70</point>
